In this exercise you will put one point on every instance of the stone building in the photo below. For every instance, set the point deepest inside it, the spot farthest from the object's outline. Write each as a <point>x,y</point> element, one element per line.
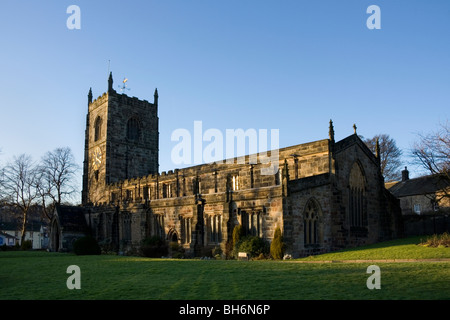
<point>68,224</point>
<point>422,195</point>
<point>324,195</point>
<point>424,203</point>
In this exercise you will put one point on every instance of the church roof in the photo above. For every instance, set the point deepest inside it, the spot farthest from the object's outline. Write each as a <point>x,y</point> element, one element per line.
<point>72,218</point>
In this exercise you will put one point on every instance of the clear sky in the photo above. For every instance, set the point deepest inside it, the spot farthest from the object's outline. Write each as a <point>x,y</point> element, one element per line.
<point>290,65</point>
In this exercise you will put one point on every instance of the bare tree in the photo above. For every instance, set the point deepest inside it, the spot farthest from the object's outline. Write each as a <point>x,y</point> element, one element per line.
<point>57,172</point>
<point>19,184</point>
<point>432,152</point>
<point>390,155</point>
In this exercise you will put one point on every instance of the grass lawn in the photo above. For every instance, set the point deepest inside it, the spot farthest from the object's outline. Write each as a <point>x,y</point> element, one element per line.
<point>406,248</point>
<point>42,275</point>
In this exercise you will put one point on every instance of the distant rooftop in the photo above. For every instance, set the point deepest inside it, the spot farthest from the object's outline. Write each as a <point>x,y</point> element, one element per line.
<point>422,185</point>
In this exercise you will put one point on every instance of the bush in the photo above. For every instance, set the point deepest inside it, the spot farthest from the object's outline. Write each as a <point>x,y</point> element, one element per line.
<point>27,245</point>
<point>154,247</point>
<point>238,233</point>
<point>277,245</point>
<point>229,249</point>
<point>254,246</point>
<point>86,246</point>
<point>217,251</point>
<point>435,241</point>
<point>107,247</point>
<point>176,250</point>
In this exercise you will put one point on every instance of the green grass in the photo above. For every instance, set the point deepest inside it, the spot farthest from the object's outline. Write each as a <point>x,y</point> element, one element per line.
<point>407,248</point>
<point>42,276</point>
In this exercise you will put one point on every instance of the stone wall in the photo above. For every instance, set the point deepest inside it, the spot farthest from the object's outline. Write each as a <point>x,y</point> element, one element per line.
<point>227,194</point>
<point>418,225</point>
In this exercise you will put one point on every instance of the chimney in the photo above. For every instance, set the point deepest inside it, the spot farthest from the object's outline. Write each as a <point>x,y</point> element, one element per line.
<point>405,174</point>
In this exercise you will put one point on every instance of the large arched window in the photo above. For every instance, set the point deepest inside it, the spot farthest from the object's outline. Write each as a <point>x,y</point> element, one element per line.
<point>97,128</point>
<point>133,129</point>
<point>312,223</point>
<point>357,214</point>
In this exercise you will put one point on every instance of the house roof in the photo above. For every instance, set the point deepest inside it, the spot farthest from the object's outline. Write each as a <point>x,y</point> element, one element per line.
<point>417,186</point>
<point>16,226</point>
<point>7,235</point>
<point>72,218</point>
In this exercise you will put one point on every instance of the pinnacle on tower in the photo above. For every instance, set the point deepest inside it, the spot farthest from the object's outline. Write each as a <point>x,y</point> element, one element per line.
<point>110,83</point>
<point>90,96</point>
<point>331,131</point>
<point>155,96</point>
<point>377,148</point>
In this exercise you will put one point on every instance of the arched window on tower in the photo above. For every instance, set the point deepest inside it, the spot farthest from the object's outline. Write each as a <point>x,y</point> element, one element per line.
<point>356,202</point>
<point>133,129</point>
<point>98,128</point>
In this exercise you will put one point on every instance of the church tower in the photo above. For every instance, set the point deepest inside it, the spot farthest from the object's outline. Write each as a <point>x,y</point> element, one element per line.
<point>121,141</point>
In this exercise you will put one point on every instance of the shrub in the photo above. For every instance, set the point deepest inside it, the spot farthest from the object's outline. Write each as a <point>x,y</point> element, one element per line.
<point>86,246</point>
<point>154,247</point>
<point>217,251</point>
<point>176,250</point>
<point>107,247</point>
<point>442,240</point>
<point>229,249</point>
<point>254,246</point>
<point>238,233</point>
<point>26,245</point>
<point>277,245</point>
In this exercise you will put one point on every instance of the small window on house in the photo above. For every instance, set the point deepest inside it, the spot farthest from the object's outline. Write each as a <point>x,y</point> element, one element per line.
<point>417,208</point>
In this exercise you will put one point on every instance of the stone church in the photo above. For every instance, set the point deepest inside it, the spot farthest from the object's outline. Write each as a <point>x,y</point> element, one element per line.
<point>326,195</point>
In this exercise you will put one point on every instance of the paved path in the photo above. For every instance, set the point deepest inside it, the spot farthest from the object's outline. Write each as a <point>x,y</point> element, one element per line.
<point>371,261</point>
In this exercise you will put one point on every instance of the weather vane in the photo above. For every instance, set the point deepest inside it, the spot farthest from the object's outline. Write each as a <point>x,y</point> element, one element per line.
<point>124,87</point>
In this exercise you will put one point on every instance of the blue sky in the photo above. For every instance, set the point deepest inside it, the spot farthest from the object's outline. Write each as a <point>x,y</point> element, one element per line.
<point>287,65</point>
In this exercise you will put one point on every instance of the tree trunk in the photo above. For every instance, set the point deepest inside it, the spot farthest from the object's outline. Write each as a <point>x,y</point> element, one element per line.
<point>24,227</point>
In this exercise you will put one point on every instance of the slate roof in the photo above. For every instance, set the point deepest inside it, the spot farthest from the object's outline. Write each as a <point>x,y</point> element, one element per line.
<point>7,235</point>
<point>418,186</point>
<point>16,226</point>
<point>72,218</point>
